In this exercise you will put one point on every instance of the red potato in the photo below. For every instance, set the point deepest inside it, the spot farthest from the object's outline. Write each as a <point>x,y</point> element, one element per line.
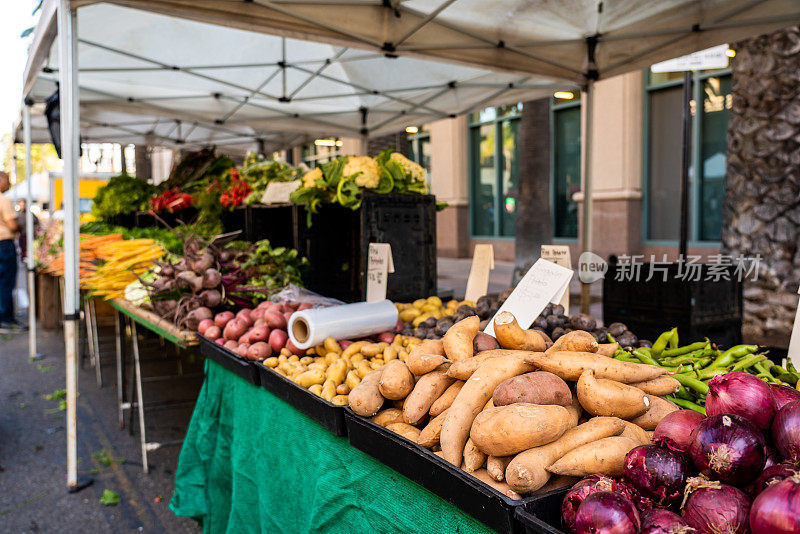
<point>220,341</point>
<point>259,333</point>
<point>244,315</point>
<point>203,325</point>
<point>234,329</point>
<point>293,349</point>
<point>275,320</point>
<point>399,326</point>
<point>223,318</point>
<point>277,340</point>
<point>214,332</point>
<point>244,338</point>
<point>290,307</point>
<point>231,344</point>
<point>266,305</point>
<point>241,350</point>
<point>260,322</point>
<point>304,306</point>
<point>257,314</point>
<point>344,343</point>
<point>259,351</point>
<point>287,316</point>
<point>386,337</point>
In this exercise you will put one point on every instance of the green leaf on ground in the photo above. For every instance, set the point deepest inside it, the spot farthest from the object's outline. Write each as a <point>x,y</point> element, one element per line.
<point>102,457</point>
<point>23,405</point>
<point>57,394</point>
<point>109,498</point>
<point>44,368</point>
<point>94,471</point>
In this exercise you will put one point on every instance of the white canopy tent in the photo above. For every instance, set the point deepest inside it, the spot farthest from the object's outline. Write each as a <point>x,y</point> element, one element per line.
<point>139,66</point>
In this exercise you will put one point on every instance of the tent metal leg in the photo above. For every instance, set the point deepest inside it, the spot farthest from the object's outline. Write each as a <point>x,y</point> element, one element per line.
<point>95,340</point>
<point>139,397</point>
<point>119,332</point>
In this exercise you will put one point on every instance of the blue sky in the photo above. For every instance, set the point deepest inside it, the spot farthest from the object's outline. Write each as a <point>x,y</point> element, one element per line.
<point>15,16</point>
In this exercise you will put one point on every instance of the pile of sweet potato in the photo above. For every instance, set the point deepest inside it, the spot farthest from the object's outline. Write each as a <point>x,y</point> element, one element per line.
<point>516,409</point>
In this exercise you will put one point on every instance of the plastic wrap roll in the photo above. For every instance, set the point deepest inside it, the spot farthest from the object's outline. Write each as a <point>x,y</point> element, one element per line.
<point>308,328</point>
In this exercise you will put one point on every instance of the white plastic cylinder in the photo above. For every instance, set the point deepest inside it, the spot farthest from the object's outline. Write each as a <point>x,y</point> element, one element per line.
<point>308,328</point>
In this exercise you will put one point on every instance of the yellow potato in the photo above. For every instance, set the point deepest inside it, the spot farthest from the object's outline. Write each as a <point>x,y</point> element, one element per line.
<point>389,353</point>
<point>331,345</point>
<point>352,379</point>
<point>340,400</point>
<point>328,390</point>
<point>337,371</point>
<point>409,314</point>
<point>271,362</point>
<point>316,389</point>
<point>309,378</point>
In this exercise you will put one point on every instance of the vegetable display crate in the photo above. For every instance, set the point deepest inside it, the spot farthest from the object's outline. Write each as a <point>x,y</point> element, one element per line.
<point>245,369</point>
<point>542,516</point>
<point>235,219</point>
<point>699,308</point>
<point>276,223</point>
<point>457,487</point>
<point>145,218</point>
<point>337,246</point>
<point>125,220</point>
<point>323,412</point>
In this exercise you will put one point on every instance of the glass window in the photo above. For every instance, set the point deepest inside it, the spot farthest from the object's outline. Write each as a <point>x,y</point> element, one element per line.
<point>494,170</point>
<point>708,147</point>
<point>419,148</point>
<point>566,170</point>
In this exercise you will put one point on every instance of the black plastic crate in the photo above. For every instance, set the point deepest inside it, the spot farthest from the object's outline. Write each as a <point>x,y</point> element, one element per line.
<point>187,216</point>
<point>125,220</point>
<point>323,412</point>
<point>699,308</point>
<point>235,219</point>
<point>337,246</point>
<point>542,516</point>
<point>278,223</point>
<point>245,369</point>
<point>457,487</point>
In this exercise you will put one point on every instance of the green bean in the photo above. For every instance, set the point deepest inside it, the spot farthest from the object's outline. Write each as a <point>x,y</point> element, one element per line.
<point>673,339</point>
<point>790,367</point>
<point>686,349</point>
<point>708,373</point>
<point>644,357</point>
<point>692,383</point>
<point>625,358</point>
<point>689,405</point>
<point>610,338</point>
<point>732,354</point>
<point>684,393</point>
<point>747,363</point>
<point>661,342</point>
<point>784,375</point>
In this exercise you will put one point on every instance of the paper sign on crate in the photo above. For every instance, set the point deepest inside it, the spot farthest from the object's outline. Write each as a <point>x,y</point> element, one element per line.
<point>278,192</point>
<point>379,265</point>
<point>794,341</point>
<point>478,281</point>
<point>545,282</point>
<point>559,254</point>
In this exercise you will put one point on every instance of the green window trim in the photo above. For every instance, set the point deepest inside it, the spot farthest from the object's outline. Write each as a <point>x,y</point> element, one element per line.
<point>698,180</point>
<point>557,106</point>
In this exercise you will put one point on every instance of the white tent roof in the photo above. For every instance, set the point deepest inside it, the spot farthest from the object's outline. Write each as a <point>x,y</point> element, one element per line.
<point>167,81</point>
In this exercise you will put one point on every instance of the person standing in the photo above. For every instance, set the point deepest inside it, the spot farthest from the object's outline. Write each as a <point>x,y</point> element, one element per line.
<point>9,228</point>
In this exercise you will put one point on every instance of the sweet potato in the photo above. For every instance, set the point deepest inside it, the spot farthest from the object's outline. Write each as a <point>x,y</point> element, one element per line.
<point>496,466</point>
<point>404,429</point>
<point>484,341</point>
<point>365,399</point>
<point>599,396</point>
<point>388,416</point>
<point>662,385</point>
<point>511,336</point>
<point>474,458</point>
<point>570,365</point>
<point>607,349</point>
<point>527,472</point>
<point>636,433</point>
<point>538,387</point>
<point>396,380</point>
<point>458,339</point>
<point>575,411</point>
<point>472,398</point>
<point>575,341</point>
<point>428,388</point>
<point>502,487</point>
<point>429,437</point>
<point>426,357</point>
<point>506,430</point>
<point>659,408</point>
<point>447,398</point>
<point>463,369</point>
<point>604,456</point>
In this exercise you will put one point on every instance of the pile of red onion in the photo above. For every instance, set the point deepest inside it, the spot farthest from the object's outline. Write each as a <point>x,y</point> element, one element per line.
<point>736,471</point>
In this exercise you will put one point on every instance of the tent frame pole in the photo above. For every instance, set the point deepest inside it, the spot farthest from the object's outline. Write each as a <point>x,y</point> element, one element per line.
<point>70,146</point>
<point>586,169</point>
<point>26,137</point>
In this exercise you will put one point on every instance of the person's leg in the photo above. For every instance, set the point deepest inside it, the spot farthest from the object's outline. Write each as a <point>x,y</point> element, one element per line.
<point>8,276</point>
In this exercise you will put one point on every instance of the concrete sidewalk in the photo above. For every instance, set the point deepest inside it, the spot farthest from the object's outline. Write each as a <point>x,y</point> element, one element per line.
<point>33,492</point>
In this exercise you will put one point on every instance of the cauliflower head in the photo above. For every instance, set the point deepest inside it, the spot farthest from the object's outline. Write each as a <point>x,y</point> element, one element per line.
<point>370,171</point>
<point>310,176</point>
<point>416,171</point>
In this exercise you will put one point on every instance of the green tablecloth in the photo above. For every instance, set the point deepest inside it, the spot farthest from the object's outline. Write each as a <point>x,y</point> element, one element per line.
<point>252,463</point>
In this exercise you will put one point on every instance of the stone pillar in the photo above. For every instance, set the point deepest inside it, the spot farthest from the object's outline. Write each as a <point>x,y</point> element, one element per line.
<point>534,221</point>
<point>761,211</point>
<point>450,183</point>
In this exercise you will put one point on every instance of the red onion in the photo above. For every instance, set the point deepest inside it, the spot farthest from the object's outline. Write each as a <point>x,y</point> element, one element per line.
<point>605,512</point>
<point>774,474</point>
<point>577,493</point>
<point>729,448</point>
<point>776,510</point>
<point>659,521</point>
<point>715,508</point>
<point>656,472</point>
<point>626,489</point>
<point>675,428</point>
<point>773,458</point>
<point>741,394</point>
<point>783,395</point>
<point>786,431</point>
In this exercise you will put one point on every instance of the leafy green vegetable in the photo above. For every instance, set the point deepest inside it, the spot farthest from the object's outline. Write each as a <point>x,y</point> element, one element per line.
<point>123,194</point>
<point>109,498</point>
